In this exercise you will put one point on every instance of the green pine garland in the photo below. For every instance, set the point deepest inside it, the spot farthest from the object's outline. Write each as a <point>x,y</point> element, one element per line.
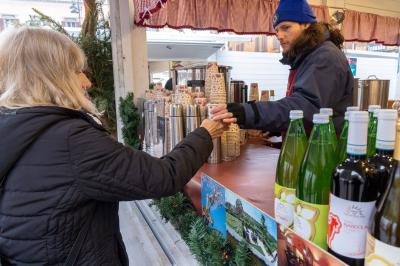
<point>207,245</point>
<point>130,120</point>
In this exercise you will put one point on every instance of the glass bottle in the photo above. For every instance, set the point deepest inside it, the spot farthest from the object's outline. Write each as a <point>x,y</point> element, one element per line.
<point>353,196</point>
<point>287,170</point>
<point>312,192</point>
<point>372,129</point>
<point>382,160</point>
<point>332,130</point>
<point>342,143</point>
<point>383,241</point>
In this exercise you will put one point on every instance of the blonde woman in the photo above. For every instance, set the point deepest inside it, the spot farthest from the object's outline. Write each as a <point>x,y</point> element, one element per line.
<point>61,174</point>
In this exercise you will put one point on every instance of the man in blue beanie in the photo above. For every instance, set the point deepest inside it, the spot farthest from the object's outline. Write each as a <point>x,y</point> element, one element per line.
<point>319,74</point>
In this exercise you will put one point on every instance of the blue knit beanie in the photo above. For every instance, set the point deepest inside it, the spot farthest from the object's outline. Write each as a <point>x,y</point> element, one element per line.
<point>295,11</point>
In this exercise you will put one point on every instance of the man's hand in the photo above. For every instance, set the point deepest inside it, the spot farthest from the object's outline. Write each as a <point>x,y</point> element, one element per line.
<point>221,112</point>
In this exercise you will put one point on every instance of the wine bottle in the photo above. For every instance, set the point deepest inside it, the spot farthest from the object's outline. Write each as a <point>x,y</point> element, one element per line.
<point>372,129</point>
<point>287,170</point>
<point>329,112</point>
<point>342,143</point>
<point>312,192</point>
<point>382,160</point>
<point>353,196</point>
<point>371,109</point>
<point>383,244</point>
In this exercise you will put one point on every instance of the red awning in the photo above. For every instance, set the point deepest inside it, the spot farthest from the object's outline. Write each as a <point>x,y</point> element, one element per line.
<point>255,17</point>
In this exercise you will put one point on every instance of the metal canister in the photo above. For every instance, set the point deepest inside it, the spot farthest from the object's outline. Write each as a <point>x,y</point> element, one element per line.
<point>147,123</point>
<point>374,91</point>
<point>192,117</point>
<point>153,122</point>
<point>215,156</point>
<point>176,124</point>
<point>243,96</point>
<point>235,90</point>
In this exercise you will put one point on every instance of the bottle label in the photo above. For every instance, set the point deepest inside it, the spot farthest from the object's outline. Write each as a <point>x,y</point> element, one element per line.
<point>356,149</point>
<point>379,253</point>
<point>284,205</point>
<point>311,221</point>
<point>348,224</point>
<point>385,145</point>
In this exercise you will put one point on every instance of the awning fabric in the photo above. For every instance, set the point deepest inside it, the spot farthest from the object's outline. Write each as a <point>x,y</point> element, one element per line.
<point>255,17</point>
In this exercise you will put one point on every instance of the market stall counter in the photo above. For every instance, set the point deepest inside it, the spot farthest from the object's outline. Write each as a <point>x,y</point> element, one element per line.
<point>251,176</point>
<point>231,189</point>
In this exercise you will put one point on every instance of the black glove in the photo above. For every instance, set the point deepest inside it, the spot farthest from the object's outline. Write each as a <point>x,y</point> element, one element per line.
<point>237,110</point>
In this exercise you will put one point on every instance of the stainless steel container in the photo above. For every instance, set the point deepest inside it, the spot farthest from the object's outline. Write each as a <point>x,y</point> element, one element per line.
<point>147,127</point>
<point>192,117</point>
<point>373,91</point>
<point>235,91</point>
<point>153,122</point>
<point>244,94</point>
<point>215,156</point>
<point>356,92</point>
<point>176,125</point>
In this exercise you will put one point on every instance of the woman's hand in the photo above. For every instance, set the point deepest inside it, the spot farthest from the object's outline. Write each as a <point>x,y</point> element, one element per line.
<point>214,128</point>
<point>221,112</point>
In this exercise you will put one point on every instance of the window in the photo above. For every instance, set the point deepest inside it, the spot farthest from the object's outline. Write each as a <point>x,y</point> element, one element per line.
<point>9,21</point>
<point>71,23</point>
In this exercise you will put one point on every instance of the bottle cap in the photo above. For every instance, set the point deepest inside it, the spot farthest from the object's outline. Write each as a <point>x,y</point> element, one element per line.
<point>296,114</point>
<point>386,132</point>
<point>358,133</point>
<point>320,119</point>
<point>376,111</point>
<point>371,108</point>
<point>353,108</point>
<point>387,114</point>
<point>326,111</point>
<point>359,116</point>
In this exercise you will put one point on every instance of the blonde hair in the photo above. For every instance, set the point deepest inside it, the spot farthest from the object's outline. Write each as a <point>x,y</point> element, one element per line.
<point>40,67</point>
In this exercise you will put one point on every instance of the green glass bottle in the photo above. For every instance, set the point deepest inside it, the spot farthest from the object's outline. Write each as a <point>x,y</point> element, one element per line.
<point>372,129</point>
<point>329,112</point>
<point>383,241</point>
<point>288,167</point>
<point>342,143</point>
<point>371,109</point>
<point>313,187</point>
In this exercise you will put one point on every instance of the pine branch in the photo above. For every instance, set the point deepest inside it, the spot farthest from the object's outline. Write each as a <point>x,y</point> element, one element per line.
<point>52,23</point>
<point>242,254</point>
<point>130,120</point>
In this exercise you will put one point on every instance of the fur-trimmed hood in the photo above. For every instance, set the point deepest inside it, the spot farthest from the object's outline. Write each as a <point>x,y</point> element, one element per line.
<point>311,38</point>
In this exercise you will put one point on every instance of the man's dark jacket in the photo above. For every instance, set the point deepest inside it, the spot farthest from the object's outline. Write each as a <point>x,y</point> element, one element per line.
<point>59,167</point>
<point>323,80</point>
